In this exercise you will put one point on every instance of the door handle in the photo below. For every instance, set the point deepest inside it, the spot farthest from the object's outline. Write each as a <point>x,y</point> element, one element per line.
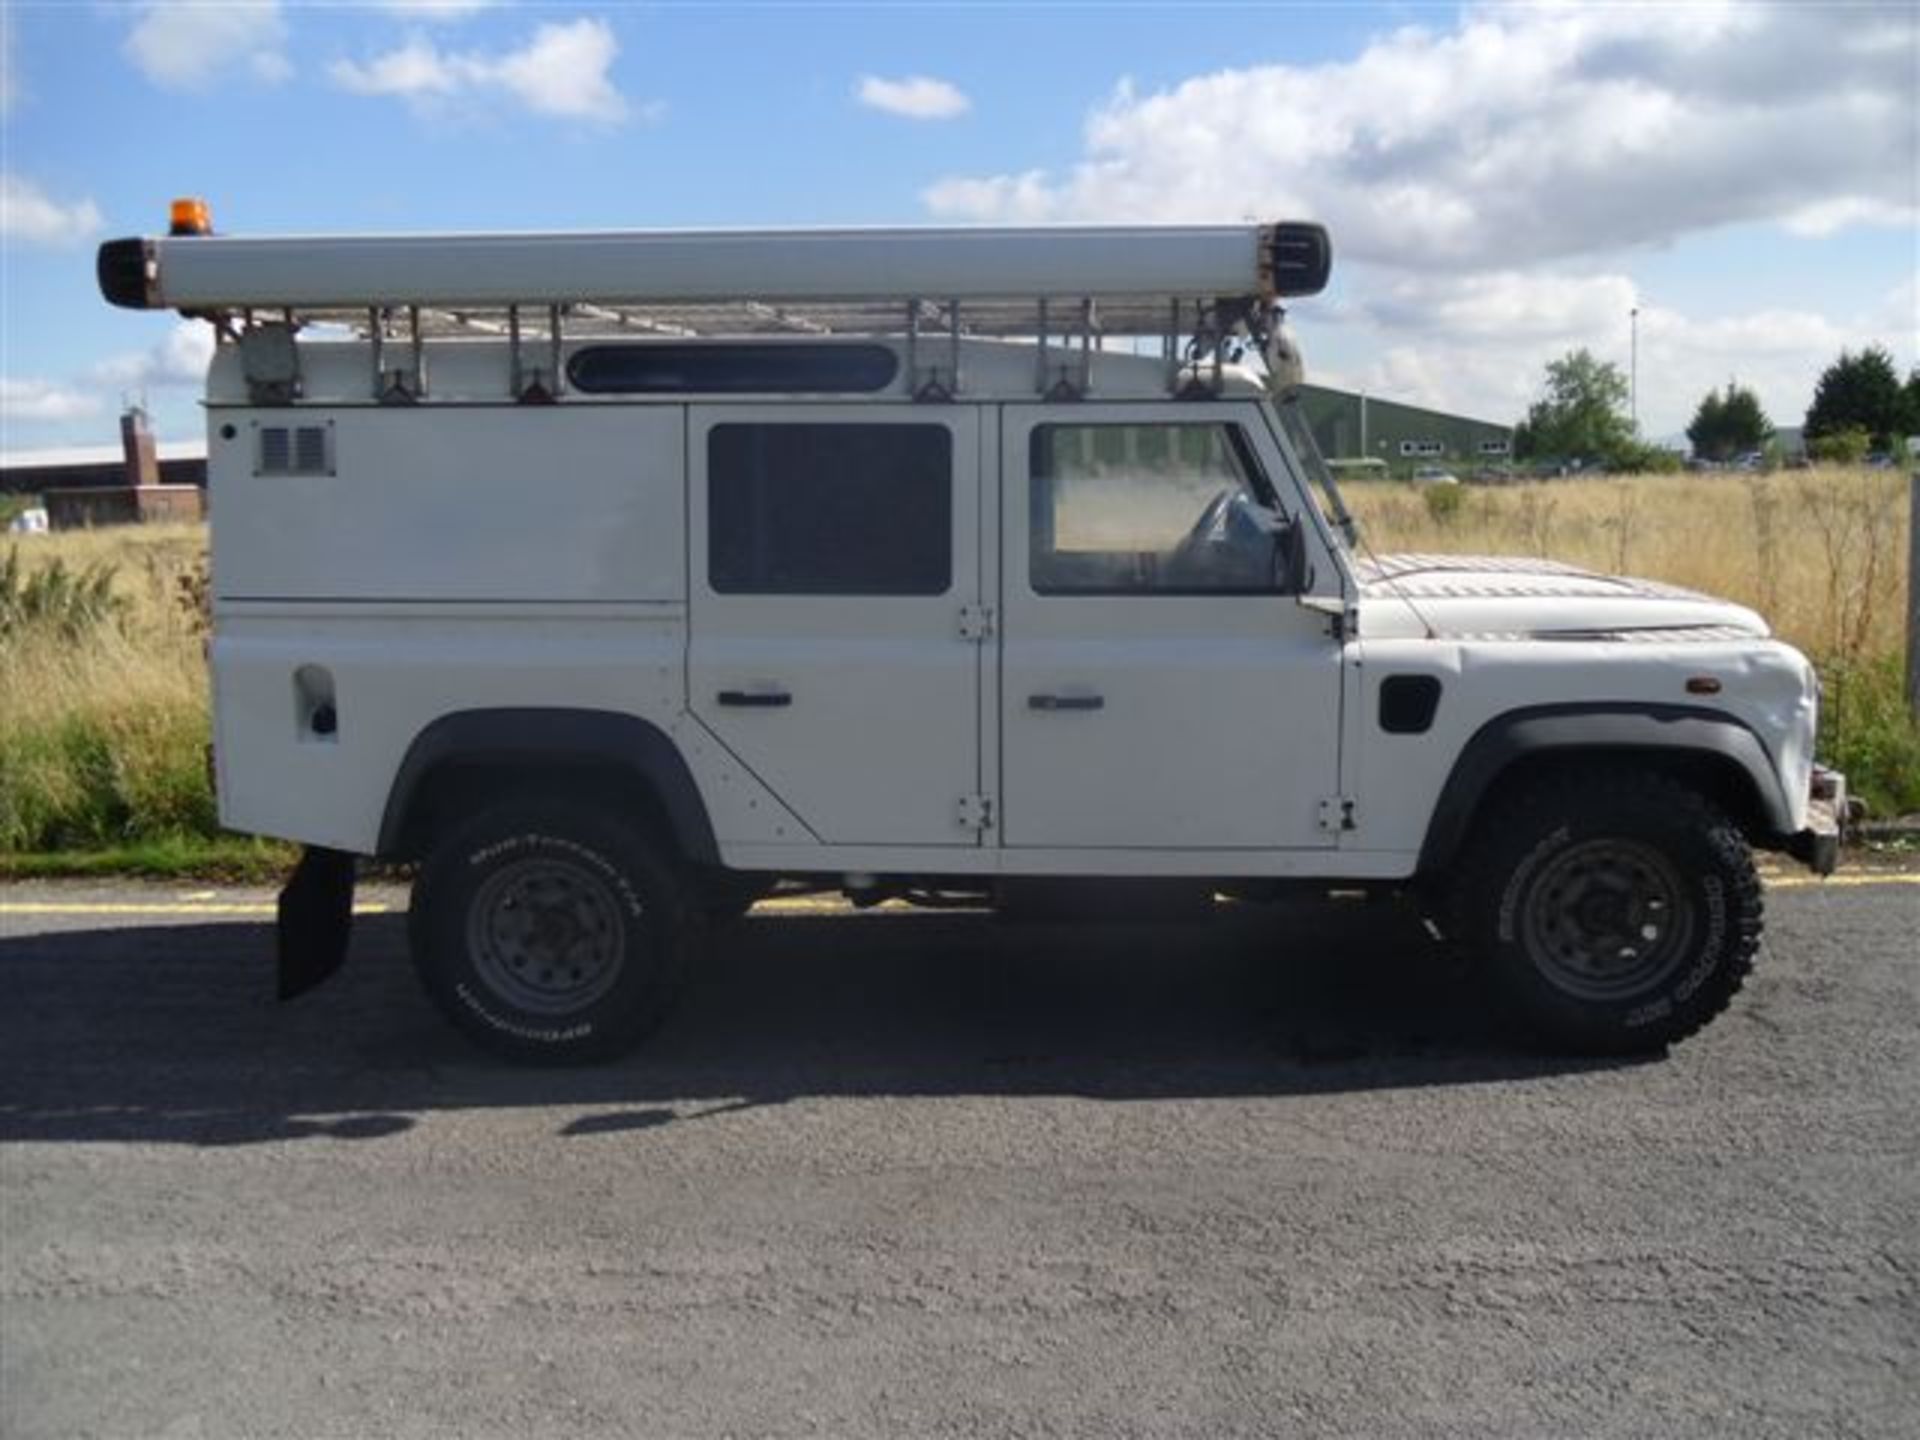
<point>1066,702</point>
<point>756,699</point>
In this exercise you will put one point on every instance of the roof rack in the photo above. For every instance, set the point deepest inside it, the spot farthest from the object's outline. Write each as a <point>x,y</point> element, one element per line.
<point>1204,290</point>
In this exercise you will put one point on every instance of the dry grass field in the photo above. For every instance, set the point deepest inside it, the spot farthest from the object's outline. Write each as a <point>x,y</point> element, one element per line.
<point>103,715</point>
<point>1820,553</point>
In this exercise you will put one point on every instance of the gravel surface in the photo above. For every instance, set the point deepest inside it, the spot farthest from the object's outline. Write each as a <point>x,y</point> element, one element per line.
<point>926,1175</point>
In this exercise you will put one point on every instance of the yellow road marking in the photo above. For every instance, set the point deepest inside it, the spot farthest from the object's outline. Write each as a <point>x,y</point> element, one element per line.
<point>159,907</point>
<point>1837,882</point>
<point>797,905</point>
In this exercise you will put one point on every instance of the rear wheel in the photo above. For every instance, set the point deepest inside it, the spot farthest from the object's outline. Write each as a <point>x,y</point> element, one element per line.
<point>549,931</point>
<point>1617,911</point>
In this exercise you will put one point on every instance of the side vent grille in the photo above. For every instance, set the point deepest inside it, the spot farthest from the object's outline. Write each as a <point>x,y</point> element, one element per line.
<point>310,450</point>
<point>295,450</point>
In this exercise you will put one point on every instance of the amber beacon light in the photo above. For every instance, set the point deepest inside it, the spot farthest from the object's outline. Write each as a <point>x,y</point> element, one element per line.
<point>190,217</point>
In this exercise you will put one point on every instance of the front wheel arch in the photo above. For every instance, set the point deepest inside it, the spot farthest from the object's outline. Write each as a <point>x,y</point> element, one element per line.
<point>1705,751</point>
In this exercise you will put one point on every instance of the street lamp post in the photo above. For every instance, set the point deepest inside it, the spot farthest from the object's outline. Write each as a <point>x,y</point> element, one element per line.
<point>1633,369</point>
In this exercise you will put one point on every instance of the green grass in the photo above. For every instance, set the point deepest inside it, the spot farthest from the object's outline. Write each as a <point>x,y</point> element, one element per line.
<point>232,858</point>
<point>107,776</point>
<point>1868,735</point>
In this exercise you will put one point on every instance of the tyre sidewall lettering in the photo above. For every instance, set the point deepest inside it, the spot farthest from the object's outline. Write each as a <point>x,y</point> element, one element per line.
<point>505,849</point>
<point>561,1036</point>
<point>1713,948</point>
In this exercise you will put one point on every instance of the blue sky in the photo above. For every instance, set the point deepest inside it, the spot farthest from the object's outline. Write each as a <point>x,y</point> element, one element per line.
<point>1503,182</point>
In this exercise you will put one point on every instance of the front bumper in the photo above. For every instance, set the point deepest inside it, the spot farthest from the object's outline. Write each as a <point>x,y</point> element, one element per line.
<point>1818,846</point>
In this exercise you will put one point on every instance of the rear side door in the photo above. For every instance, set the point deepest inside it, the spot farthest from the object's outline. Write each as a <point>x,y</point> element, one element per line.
<point>833,550</point>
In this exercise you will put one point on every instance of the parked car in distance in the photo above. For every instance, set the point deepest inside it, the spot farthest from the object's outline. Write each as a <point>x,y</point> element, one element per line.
<point>1435,475</point>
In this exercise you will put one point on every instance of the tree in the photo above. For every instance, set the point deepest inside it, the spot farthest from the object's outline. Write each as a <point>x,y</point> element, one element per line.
<point>1728,425</point>
<point>1841,447</point>
<point>1859,391</point>
<point>1582,415</point>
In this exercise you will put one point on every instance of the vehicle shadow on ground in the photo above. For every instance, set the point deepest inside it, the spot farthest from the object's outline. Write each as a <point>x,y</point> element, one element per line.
<point>170,1034</point>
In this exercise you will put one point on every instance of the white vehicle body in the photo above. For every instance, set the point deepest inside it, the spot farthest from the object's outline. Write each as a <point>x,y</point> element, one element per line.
<point>451,567</point>
<point>466,555</point>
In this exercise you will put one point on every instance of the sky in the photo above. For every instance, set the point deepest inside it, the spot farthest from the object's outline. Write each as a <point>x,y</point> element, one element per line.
<point>1503,183</point>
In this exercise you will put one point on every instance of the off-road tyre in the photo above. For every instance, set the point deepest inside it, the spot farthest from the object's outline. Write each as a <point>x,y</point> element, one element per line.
<point>1614,911</point>
<point>551,932</point>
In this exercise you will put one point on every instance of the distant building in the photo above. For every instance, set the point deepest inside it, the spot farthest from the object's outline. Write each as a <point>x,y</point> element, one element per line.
<point>132,482</point>
<point>87,467</point>
<point>1349,426</point>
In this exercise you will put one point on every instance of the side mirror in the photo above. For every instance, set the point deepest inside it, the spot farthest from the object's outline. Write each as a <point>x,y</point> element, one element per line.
<point>1291,573</point>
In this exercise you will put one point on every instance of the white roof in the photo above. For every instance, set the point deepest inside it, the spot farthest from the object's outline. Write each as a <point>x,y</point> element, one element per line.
<point>66,456</point>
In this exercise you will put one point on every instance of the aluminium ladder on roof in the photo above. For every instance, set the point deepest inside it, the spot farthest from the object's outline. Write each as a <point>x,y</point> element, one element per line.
<point>1145,264</point>
<point>1204,281</point>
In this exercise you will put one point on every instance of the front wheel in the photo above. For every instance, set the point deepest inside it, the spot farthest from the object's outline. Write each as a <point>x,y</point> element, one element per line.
<point>1617,912</point>
<point>550,931</point>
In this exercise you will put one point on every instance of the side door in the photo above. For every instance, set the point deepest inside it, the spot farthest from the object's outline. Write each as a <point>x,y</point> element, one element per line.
<point>833,548</point>
<point>1158,690</point>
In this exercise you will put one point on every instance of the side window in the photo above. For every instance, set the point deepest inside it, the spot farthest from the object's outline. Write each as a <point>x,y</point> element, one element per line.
<point>830,509</point>
<point>1148,509</point>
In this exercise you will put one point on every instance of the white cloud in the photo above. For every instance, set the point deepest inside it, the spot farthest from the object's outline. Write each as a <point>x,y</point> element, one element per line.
<point>917,97</point>
<point>28,400</point>
<point>187,44</point>
<point>1827,216</point>
<point>180,358</point>
<point>1479,345</point>
<point>166,375</point>
<point>29,214</point>
<point>561,71</point>
<point>416,69</point>
<point>1519,135</point>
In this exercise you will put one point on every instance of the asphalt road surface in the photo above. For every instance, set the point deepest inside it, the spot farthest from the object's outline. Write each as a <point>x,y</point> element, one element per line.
<point>913,1174</point>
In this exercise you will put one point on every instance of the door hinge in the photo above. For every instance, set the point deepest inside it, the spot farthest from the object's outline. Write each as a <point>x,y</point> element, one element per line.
<point>976,812</point>
<point>1336,814</point>
<point>976,622</point>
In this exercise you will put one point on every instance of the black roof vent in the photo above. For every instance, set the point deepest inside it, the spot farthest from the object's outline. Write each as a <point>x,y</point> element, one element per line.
<point>680,368</point>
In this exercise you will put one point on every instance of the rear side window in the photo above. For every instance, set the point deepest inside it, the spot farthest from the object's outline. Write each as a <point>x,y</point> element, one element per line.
<point>830,509</point>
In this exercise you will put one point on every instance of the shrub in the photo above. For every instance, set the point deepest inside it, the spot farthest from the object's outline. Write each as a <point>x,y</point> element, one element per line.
<point>1843,447</point>
<point>1444,502</point>
<point>1867,733</point>
<point>70,602</point>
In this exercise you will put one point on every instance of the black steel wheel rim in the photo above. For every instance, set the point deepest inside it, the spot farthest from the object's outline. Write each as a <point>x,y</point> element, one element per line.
<point>1607,919</point>
<point>546,936</point>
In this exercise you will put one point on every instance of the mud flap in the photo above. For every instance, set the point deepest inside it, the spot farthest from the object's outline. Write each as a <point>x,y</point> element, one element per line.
<point>315,916</point>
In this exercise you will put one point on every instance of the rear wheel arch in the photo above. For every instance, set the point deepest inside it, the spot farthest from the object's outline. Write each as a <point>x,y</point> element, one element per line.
<point>469,758</point>
<point>1708,752</point>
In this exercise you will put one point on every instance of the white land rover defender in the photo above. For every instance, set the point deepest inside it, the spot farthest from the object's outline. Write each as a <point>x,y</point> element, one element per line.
<point>615,578</point>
